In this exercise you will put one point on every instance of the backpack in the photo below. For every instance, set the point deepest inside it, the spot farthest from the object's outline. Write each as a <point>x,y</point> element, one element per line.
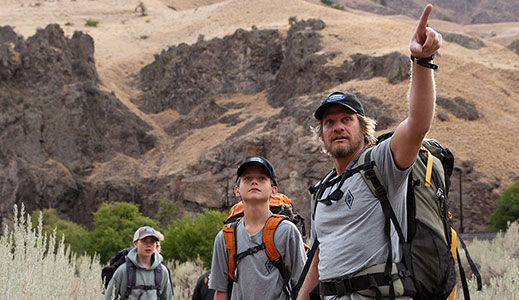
<point>427,269</point>
<point>122,257</point>
<point>282,210</point>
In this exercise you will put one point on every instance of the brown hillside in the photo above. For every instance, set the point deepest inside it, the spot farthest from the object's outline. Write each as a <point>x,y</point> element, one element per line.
<point>195,163</point>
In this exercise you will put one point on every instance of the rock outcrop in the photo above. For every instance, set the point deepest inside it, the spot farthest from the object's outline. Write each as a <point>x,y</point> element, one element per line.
<point>57,125</point>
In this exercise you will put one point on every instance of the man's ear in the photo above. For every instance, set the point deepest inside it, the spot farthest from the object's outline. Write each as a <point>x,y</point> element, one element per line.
<point>237,190</point>
<point>274,190</point>
<point>135,243</point>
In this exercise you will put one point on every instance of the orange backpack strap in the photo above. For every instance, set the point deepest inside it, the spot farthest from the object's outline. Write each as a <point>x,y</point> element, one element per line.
<point>229,234</point>
<point>273,253</point>
<point>268,237</point>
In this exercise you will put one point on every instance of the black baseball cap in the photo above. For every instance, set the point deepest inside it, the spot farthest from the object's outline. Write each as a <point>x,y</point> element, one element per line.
<point>259,161</point>
<point>350,101</point>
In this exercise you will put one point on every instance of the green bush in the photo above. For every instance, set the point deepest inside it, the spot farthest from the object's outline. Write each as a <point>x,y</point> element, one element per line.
<point>91,22</point>
<point>75,235</point>
<point>115,225</point>
<point>169,211</point>
<point>507,209</point>
<point>189,238</point>
<point>327,2</point>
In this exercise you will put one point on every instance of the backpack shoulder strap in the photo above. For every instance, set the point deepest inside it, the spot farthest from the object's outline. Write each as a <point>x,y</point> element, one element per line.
<point>272,252</point>
<point>131,277</point>
<point>268,237</point>
<point>229,235</point>
<point>158,278</point>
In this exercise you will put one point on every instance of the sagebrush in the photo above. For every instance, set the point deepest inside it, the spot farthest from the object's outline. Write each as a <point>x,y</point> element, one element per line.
<point>39,266</point>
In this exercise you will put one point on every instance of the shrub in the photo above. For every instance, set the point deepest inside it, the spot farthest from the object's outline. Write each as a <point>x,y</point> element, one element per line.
<point>30,271</point>
<point>189,238</point>
<point>169,211</point>
<point>91,22</point>
<point>514,46</point>
<point>115,225</point>
<point>75,235</point>
<point>507,209</point>
<point>184,277</point>
<point>498,264</point>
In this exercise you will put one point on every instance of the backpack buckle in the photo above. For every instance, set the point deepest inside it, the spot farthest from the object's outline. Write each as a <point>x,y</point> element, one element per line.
<point>343,286</point>
<point>404,273</point>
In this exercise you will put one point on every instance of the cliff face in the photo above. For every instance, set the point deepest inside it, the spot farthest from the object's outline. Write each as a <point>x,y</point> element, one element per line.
<point>69,145</point>
<point>56,123</point>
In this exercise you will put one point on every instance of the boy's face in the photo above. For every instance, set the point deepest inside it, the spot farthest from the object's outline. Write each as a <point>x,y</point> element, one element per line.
<point>254,185</point>
<point>146,246</point>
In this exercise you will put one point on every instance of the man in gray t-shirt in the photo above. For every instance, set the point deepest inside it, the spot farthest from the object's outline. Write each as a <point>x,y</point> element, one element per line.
<point>348,220</point>
<point>255,276</point>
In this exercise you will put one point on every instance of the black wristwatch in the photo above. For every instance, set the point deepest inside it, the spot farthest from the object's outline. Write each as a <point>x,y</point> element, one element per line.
<point>424,62</point>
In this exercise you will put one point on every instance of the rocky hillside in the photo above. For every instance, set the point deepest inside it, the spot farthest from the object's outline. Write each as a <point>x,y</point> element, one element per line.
<point>461,11</point>
<point>199,108</point>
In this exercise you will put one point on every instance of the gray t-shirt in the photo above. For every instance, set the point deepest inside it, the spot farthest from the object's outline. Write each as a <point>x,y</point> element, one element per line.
<point>257,277</point>
<point>351,230</point>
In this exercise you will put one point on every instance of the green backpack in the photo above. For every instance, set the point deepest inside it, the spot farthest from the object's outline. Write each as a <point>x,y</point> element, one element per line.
<point>429,251</point>
<point>430,248</point>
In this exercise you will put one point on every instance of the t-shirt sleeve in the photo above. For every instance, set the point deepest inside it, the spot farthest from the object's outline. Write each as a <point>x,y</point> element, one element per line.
<point>294,255</point>
<point>219,266</point>
<point>394,177</point>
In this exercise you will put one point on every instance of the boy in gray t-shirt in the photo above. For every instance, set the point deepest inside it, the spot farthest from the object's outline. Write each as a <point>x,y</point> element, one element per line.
<point>255,276</point>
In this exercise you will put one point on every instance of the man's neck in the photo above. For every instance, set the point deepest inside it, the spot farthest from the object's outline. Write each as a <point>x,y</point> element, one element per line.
<point>255,216</point>
<point>145,261</point>
<point>341,163</point>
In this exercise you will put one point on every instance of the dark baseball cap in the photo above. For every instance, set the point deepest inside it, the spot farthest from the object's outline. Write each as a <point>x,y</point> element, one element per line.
<point>258,161</point>
<point>350,101</point>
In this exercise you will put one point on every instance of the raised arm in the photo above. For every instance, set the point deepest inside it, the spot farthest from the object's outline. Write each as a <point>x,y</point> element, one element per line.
<point>409,134</point>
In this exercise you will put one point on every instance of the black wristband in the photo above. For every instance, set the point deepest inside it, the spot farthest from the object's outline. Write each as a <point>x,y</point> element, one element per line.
<point>424,62</point>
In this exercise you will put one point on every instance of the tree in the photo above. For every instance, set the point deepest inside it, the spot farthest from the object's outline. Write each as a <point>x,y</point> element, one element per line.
<point>507,209</point>
<point>189,238</point>
<point>75,235</point>
<point>169,211</point>
<point>115,225</point>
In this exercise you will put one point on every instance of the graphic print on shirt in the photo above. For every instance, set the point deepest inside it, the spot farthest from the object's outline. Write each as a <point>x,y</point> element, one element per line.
<point>349,199</point>
<point>269,266</point>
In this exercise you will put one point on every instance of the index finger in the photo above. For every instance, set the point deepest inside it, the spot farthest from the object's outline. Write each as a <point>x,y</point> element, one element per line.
<point>425,16</point>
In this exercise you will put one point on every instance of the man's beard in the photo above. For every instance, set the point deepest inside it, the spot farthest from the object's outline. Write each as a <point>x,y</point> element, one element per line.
<point>346,150</point>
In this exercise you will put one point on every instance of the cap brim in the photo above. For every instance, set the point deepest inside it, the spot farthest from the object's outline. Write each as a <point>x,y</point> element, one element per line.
<point>244,166</point>
<point>319,113</point>
<point>147,235</point>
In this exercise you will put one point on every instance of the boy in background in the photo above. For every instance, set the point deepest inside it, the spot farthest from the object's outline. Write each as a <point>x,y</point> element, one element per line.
<point>144,259</point>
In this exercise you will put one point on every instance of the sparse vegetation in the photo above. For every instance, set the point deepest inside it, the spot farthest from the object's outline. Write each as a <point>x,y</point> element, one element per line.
<point>514,46</point>
<point>69,24</point>
<point>91,22</point>
<point>332,4</point>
